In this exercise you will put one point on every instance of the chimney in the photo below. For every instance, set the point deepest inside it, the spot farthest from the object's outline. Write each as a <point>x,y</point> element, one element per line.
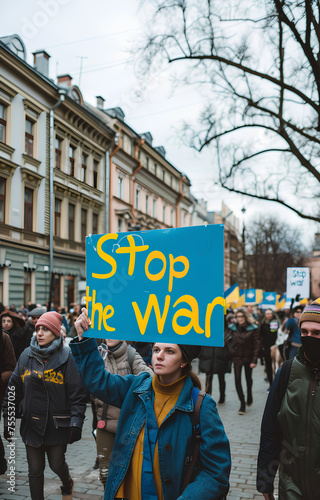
<point>100,101</point>
<point>64,81</point>
<point>41,62</point>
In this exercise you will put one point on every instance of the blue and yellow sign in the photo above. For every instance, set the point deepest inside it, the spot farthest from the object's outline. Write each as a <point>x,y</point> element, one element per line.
<point>164,285</point>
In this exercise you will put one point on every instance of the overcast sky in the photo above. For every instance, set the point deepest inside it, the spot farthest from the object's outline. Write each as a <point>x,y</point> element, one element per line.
<point>98,34</point>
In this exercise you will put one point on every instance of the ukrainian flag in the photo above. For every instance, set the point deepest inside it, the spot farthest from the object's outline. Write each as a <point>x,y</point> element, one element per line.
<point>232,294</point>
<point>280,301</point>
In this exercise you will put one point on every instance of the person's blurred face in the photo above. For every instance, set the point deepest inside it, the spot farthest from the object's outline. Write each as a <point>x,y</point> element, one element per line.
<point>7,323</point>
<point>76,309</point>
<point>34,319</point>
<point>44,336</point>
<point>240,317</point>
<point>112,342</point>
<point>297,313</point>
<point>268,314</point>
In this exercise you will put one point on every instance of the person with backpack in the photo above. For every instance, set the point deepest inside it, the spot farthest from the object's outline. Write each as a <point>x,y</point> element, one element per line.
<point>121,359</point>
<point>154,442</point>
<point>290,430</point>
<point>46,389</point>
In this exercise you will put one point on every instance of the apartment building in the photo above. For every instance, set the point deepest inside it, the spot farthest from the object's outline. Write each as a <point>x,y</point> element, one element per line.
<point>52,180</point>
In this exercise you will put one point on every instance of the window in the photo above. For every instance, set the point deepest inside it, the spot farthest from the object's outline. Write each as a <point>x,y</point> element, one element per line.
<point>171,181</point>
<point>84,214</point>
<point>164,176</point>
<point>184,218</point>
<point>94,223</point>
<point>164,213</point>
<point>95,173</point>
<point>147,163</point>
<point>29,137</point>
<point>172,213</point>
<point>27,287</point>
<point>137,198</point>
<point>155,169</point>
<point>58,153</point>
<point>120,183</point>
<point>3,122</point>
<point>72,153</point>
<point>154,208</point>
<point>70,281</point>
<point>147,204</point>
<point>119,225</point>
<point>28,212</point>
<point>57,217</point>
<point>72,210</point>
<point>84,160</point>
<point>2,199</point>
<point>56,290</point>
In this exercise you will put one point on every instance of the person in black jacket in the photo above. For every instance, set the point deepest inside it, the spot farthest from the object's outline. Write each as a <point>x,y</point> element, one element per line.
<point>7,365</point>
<point>14,326</point>
<point>47,384</point>
<point>215,360</point>
<point>268,331</point>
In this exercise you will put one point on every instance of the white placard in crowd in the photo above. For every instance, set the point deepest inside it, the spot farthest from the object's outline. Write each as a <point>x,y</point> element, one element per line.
<point>298,282</point>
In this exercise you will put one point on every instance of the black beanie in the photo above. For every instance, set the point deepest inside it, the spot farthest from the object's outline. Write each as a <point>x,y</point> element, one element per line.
<point>190,352</point>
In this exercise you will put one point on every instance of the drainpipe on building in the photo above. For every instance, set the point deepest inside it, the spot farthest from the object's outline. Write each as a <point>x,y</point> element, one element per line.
<point>62,94</point>
<point>181,196</point>
<point>117,141</point>
<point>136,170</point>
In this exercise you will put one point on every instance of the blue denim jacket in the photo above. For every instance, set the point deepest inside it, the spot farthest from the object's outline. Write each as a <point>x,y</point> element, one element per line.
<point>130,393</point>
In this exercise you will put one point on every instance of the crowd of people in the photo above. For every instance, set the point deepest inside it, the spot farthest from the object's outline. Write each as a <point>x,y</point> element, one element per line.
<point>144,398</point>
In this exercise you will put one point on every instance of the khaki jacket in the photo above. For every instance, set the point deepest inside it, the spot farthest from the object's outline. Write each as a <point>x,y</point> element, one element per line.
<point>117,363</point>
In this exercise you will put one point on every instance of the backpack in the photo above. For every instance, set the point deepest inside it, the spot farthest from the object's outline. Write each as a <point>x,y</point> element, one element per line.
<point>197,398</point>
<point>284,378</point>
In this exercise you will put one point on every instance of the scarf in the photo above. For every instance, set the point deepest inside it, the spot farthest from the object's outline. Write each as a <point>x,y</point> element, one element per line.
<point>48,350</point>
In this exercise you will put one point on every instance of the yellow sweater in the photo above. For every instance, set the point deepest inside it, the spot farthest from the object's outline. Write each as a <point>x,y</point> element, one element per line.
<point>165,397</point>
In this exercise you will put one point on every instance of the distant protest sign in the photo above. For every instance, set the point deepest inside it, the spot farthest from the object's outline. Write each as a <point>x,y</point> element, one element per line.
<point>298,282</point>
<point>157,286</point>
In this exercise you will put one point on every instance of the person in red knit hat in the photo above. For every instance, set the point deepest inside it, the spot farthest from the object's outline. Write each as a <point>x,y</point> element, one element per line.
<point>47,384</point>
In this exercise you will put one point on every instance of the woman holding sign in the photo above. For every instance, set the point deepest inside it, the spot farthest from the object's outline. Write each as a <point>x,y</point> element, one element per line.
<point>154,437</point>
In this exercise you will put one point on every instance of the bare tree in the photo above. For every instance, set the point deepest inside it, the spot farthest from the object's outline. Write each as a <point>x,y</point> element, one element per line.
<point>271,247</point>
<point>258,63</point>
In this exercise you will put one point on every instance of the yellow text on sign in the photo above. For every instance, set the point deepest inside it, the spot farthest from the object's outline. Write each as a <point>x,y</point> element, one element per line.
<point>131,250</point>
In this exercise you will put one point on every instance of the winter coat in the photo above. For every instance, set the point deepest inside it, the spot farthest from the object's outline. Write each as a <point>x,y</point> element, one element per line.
<point>130,393</point>
<point>51,394</point>
<point>7,363</point>
<point>214,360</point>
<point>245,341</point>
<point>268,331</point>
<point>20,338</point>
<point>117,362</point>
<point>290,434</point>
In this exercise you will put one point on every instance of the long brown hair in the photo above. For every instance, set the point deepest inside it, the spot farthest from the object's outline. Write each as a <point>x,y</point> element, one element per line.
<point>187,370</point>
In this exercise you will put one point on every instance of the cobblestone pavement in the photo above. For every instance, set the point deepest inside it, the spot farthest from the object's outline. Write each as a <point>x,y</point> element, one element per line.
<point>243,432</point>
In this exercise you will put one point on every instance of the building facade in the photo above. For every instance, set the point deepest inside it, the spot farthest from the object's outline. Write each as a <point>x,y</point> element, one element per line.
<point>69,169</point>
<point>71,151</point>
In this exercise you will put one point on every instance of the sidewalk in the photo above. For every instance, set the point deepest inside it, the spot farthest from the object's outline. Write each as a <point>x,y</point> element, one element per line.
<point>243,432</point>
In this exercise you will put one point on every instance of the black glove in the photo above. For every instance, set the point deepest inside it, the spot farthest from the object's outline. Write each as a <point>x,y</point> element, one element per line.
<point>7,434</point>
<point>75,434</point>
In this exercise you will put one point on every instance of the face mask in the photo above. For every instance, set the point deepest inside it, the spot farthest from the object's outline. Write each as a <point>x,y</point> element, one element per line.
<point>311,346</point>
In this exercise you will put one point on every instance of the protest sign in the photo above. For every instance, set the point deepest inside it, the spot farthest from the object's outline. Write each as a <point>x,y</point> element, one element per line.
<point>157,286</point>
<point>298,282</point>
